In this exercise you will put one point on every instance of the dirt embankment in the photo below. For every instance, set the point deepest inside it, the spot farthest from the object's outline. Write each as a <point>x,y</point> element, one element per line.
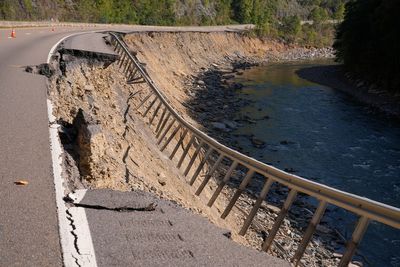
<point>177,60</point>
<point>107,143</point>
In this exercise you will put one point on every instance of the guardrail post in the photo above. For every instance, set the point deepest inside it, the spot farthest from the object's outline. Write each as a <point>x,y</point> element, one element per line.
<point>170,137</point>
<point>178,144</point>
<point>196,152</point>
<point>150,106</point>
<point>238,192</point>
<point>127,62</point>
<point>204,160</point>
<point>257,204</point>
<point>126,69</point>
<point>351,247</point>
<point>319,212</point>
<point>209,174</point>
<point>185,151</point>
<point>144,100</point>
<point>122,60</point>
<point>163,124</point>
<point>223,183</point>
<point>155,113</point>
<point>282,214</point>
<point>161,119</point>
<point>166,131</point>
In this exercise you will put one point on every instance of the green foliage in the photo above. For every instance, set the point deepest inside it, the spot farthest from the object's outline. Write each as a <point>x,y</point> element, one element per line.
<point>273,18</point>
<point>319,15</point>
<point>242,10</point>
<point>291,25</point>
<point>29,8</point>
<point>156,12</point>
<point>317,35</point>
<point>224,11</point>
<point>339,12</point>
<point>367,41</point>
<point>7,10</point>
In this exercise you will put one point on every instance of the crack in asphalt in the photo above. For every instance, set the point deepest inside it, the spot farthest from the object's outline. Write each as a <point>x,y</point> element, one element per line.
<point>76,260</point>
<point>72,224</point>
<point>151,207</point>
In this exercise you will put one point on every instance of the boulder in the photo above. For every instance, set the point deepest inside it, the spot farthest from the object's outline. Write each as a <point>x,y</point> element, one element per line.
<point>257,142</point>
<point>200,82</point>
<point>219,125</point>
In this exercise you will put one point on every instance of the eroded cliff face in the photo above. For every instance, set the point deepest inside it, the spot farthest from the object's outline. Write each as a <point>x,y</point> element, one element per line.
<point>108,143</point>
<point>174,58</point>
<point>86,103</point>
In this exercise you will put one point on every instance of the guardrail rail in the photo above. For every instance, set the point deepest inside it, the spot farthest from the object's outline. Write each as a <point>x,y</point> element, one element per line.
<point>367,210</point>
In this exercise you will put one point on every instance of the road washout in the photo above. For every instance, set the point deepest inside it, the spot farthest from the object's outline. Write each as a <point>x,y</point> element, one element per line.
<point>108,145</point>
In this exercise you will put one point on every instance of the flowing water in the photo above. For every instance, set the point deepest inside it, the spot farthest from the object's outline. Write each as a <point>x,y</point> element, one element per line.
<point>322,134</point>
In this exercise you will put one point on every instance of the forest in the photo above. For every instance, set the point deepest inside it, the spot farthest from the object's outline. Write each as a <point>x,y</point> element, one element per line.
<point>367,42</point>
<point>273,18</point>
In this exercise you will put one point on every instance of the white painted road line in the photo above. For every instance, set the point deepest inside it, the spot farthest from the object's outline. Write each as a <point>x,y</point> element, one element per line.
<point>67,243</point>
<point>72,217</point>
<point>82,235</point>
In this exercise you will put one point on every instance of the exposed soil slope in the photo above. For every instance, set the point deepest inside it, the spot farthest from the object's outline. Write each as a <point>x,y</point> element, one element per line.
<point>108,145</point>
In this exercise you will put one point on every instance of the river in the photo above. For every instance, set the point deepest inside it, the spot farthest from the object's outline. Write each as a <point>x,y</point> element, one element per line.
<point>324,135</point>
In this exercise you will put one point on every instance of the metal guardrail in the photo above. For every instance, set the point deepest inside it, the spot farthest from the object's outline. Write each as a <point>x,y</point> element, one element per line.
<point>367,210</point>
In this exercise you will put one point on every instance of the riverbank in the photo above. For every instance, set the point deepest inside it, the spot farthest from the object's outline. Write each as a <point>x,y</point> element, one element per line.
<point>335,77</point>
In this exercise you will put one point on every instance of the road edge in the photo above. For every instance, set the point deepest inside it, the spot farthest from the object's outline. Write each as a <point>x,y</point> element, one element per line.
<point>71,255</point>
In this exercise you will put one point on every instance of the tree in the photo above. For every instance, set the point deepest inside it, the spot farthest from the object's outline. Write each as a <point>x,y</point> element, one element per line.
<point>318,15</point>
<point>224,12</point>
<point>242,10</point>
<point>339,12</point>
<point>290,28</point>
<point>367,41</point>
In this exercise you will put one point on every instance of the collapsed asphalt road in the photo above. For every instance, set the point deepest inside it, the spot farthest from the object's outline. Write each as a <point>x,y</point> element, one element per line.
<point>29,222</point>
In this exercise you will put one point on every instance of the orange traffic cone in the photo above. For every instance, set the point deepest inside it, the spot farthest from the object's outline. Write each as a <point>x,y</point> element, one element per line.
<point>13,35</point>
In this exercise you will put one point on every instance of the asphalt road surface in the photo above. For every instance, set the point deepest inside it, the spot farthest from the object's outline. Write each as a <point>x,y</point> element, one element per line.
<point>29,228</point>
<point>28,215</point>
<point>138,229</point>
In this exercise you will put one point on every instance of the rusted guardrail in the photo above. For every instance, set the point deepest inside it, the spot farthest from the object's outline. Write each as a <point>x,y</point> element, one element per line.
<point>367,210</point>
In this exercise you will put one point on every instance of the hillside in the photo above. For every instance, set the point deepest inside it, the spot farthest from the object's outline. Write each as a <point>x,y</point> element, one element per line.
<point>274,18</point>
<point>167,12</point>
